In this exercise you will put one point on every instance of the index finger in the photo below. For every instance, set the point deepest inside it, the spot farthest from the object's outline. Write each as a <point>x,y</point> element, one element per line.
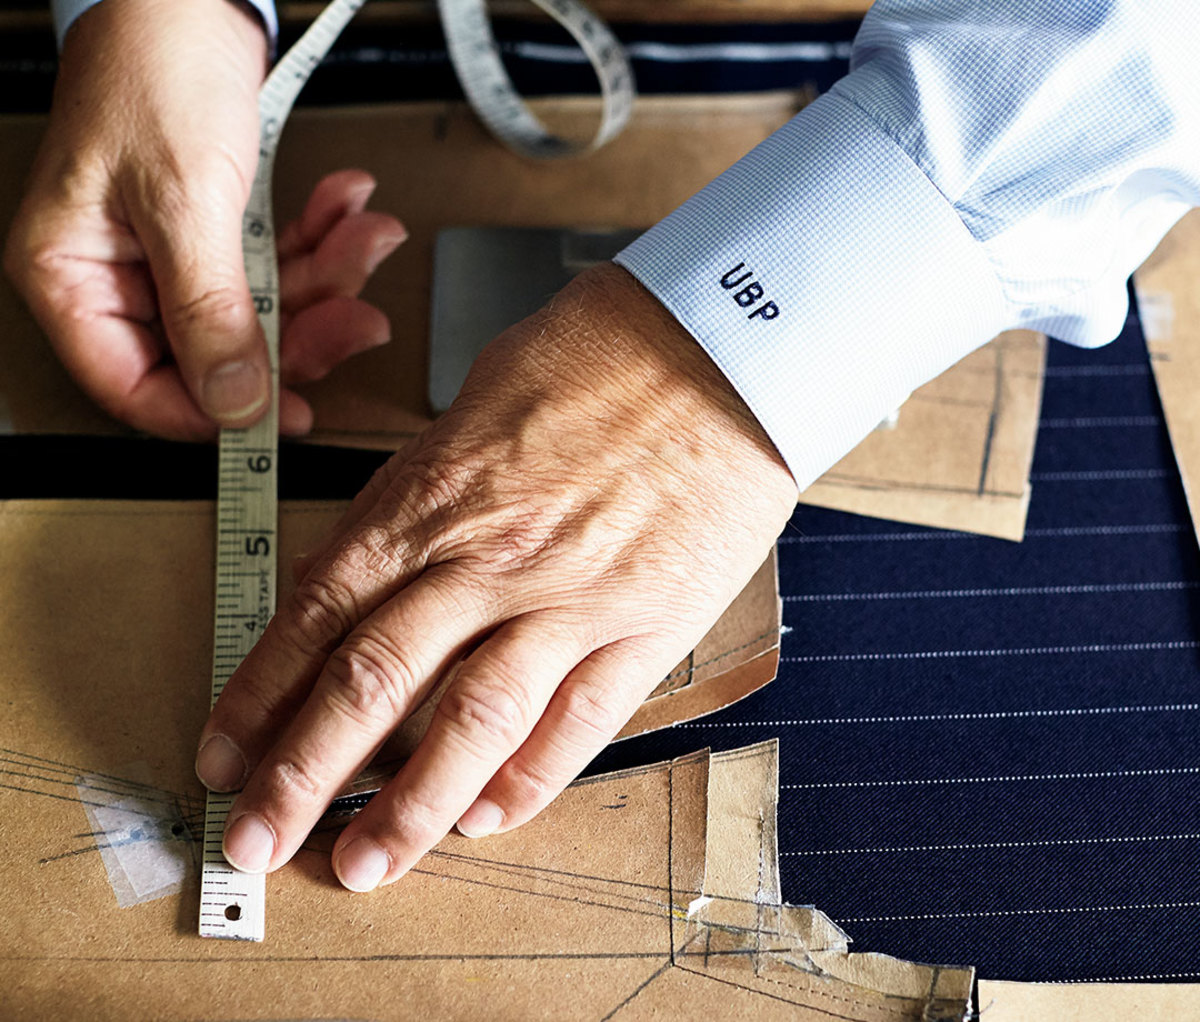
<point>367,687</point>
<point>354,579</point>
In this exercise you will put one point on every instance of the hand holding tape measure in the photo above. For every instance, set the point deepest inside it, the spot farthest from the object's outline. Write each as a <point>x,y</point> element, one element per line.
<point>128,244</point>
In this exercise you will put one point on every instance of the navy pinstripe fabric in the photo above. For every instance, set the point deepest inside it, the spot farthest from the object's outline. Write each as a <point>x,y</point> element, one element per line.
<point>991,751</point>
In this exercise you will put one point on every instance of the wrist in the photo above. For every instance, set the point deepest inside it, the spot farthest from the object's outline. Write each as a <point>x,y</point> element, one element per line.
<point>122,37</point>
<point>658,377</point>
<point>67,13</point>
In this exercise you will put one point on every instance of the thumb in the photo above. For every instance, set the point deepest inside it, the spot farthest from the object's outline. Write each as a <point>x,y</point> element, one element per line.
<point>194,247</point>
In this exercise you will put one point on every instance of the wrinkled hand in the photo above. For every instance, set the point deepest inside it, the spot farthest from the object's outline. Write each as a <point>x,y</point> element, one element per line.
<point>577,520</point>
<point>127,246</point>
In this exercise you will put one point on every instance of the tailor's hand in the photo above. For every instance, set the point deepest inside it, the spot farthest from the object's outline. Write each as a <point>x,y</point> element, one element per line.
<point>127,246</point>
<point>582,514</point>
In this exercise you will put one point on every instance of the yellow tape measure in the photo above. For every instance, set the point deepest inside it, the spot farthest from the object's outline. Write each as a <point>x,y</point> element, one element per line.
<point>232,903</point>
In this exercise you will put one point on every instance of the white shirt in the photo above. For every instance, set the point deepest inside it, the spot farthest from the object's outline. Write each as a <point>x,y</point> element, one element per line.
<point>985,165</point>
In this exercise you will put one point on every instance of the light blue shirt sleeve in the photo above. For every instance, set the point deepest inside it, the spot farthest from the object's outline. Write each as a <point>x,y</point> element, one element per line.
<point>66,11</point>
<point>983,166</point>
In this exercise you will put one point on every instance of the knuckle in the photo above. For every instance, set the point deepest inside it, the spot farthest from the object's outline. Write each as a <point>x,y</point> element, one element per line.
<point>225,310</point>
<point>188,183</point>
<point>422,822</point>
<point>323,611</point>
<point>531,783</point>
<point>369,681</point>
<point>434,486</point>
<point>246,707</point>
<point>584,708</point>
<point>490,712</point>
<point>377,552</point>
<point>290,781</point>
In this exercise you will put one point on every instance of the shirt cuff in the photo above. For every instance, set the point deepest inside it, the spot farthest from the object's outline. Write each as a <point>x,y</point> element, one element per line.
<point>66,11</point>
<point>827,277</point>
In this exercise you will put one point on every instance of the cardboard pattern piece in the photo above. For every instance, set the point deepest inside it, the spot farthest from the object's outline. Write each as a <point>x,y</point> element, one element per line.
<point>648,891</point>
<point>437,167</point>
<point>1168,294</point>
<point>598,907</point>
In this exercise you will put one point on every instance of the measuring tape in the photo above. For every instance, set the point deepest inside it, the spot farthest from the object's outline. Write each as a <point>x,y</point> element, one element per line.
<point>232,903</point>
<point>476,59</point>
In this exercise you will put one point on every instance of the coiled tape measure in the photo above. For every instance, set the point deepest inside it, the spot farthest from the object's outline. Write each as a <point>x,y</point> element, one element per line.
<point>233,904</point>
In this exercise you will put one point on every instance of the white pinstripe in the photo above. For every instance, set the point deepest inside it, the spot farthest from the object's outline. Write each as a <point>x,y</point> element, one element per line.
<point>1133,978</point>
<point>950,594</point>
<point>927,717</point>
<point>941,654</point>
<point>981,845</point>
<point>1088,775</point>
<point>1000,912</point>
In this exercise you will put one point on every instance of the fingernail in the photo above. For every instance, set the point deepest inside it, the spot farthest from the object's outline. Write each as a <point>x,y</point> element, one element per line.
<point>361,865</point>
<point>379,340</point>
<point>384,247</point>
<point>234,390</point>
<point>482,819</point>
<point>249,844</point>
<point>357,199</point>
<point>220,764</point>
